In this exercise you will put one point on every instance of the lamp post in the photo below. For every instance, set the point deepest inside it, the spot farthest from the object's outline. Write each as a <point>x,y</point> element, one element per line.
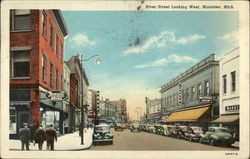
<point>98,61</point>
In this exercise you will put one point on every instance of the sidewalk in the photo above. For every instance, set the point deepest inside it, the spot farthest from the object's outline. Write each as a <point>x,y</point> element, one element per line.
<point>67,142</point>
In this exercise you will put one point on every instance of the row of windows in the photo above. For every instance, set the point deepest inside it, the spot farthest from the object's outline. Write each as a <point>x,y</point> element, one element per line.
<point>21,21</point>
<point>186,95</point>
<point>51,35</point>
<point>233,82</point>
<point>21,68</point>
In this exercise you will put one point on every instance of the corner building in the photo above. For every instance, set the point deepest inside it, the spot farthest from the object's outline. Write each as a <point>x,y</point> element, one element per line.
<point>36,66</point>
<point>192,98</point>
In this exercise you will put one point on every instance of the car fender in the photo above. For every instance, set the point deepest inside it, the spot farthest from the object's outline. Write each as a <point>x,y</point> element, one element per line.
<point>216,138</point>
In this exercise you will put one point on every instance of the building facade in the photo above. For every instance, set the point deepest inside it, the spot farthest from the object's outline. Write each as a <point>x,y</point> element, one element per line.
<point>121,110</point>
<point>153,110</point>
<point>229,90</point>
<point>36,66</point>
<point>193,96</point>
<point>107,112</point>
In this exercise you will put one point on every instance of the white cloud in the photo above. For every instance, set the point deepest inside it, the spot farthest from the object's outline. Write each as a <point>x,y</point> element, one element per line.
<point>171,59</point>
<point>161,41</point>
<point>233,36</point>
<point>81,39</point>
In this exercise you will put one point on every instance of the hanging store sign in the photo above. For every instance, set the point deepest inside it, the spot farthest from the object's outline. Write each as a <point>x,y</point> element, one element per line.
<point>56,95</point>
<point>206,99</point>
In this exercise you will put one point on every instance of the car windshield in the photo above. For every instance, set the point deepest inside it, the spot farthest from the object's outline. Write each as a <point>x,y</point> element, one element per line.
<point>223,130</point>
<point>102,128</point>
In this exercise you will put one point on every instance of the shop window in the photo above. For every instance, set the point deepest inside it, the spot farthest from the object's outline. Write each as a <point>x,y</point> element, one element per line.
<point>44,67</point>
<point>21,19</point>
<point>21,63</point>
<point>13,122</point>
<point>44,23</point>
<point>224,78</point>
<point>233,81</point>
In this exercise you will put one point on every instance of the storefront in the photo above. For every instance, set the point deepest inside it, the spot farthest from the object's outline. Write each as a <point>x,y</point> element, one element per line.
<point>154,118</point>
<point>53,113</point>
<point>20,111</point>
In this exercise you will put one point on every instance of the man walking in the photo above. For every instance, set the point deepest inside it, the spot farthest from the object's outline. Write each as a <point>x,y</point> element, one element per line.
<point>40,137</point>
<point>25,136</point>
<point>50,136</point>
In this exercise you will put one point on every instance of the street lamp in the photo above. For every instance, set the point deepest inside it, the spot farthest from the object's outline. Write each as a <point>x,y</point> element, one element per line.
<point>98,61</point>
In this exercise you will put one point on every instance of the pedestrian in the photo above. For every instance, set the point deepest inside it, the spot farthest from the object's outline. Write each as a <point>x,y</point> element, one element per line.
<point>50,137</point>
<point>40,137</point>
<point>32,133</point>
<point>25,136</point>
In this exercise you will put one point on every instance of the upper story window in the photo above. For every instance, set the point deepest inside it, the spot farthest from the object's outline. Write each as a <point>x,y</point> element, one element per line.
<point>193,93</point>
<point>51,74</point>
<point>51,35</point>
<point>44,67</point>
<point>61,82</point>
<point>187,95</point>
<point>167,101</point>
<point>199,90</point>
<point>44,23</point>
<point>56,79</point>
<point>233,81</point>
<point>224,78</point>
<point>207,89</point>
<point>61,53</point>
<point>21,63</point>
<point>57,45</point>
<point>21,19</point>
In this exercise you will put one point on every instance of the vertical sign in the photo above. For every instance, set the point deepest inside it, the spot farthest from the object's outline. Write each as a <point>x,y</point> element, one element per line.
<point>179,96</point>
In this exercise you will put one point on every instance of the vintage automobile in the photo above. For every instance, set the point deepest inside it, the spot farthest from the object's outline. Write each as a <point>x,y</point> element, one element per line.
<point>118,127</point>
<point>167,129</point>
<point>135,128</point>
<point>158,129</point>
<point>179,132</point>
<point>216,136</point>
<point>151,129</point>
<point>102,134</point>
<point>193,133</point>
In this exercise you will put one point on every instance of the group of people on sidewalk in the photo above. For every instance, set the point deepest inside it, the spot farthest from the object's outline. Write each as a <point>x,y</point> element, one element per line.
<point>38,136</point>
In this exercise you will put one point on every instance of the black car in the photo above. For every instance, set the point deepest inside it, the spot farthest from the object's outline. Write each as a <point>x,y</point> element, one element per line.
<point>193,133</point>
<point>102,134</point>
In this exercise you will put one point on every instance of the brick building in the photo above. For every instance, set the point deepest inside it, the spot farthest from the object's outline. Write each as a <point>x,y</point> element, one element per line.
<point>36,66</point>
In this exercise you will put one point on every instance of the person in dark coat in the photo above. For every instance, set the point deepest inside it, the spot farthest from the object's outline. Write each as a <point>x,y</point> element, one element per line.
<point>25,136</point>
<point>32,133</point>
<point>51,136</point>
<point>40,137</point>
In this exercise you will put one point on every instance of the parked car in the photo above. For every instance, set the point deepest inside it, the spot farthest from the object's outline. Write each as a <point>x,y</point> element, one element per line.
<point>118,127</point>
<point>135,128</point>
<point>167,129</point>
<point>158,129</point>
<point>179,132</point>
<point>151,129</point>
<point>216,136</point>
<point>102,134</point>
<point>193,133</point>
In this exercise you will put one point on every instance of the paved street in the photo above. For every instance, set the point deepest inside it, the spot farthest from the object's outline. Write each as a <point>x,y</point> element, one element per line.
<point>126,140</point>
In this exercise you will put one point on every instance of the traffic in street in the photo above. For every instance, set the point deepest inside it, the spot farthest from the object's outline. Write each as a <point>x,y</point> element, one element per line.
<point>130,141</point>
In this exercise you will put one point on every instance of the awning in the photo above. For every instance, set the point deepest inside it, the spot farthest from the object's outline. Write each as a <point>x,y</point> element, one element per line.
<point>200,114</point>
<point>226,119</point>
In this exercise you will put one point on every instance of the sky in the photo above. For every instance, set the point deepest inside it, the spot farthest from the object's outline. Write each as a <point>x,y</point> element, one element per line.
<point>142,50</point>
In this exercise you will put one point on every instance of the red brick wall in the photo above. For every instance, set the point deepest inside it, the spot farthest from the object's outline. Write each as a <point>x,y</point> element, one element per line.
<point>73,89</point>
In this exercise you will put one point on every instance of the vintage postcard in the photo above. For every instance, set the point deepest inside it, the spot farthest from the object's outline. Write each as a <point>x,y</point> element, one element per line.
<point>124,79</point>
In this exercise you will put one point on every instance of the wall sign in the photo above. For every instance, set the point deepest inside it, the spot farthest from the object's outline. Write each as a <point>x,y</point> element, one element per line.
<point>56,95</point>
<point>232,107</point>
<point>206,99</point>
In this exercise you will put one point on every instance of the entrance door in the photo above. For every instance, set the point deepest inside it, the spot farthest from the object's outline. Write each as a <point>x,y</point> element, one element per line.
<point>23,118</point>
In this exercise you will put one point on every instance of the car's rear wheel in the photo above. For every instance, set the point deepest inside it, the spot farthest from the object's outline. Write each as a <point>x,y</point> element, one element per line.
<point>212,142</point>
<point>190,139</point>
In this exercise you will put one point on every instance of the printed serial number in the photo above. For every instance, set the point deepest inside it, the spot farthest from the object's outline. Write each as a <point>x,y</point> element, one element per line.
<point>231,153</point>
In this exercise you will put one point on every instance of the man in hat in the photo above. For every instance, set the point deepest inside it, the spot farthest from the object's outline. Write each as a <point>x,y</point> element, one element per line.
<point>50,137</point>
<point>40,137</point>
<point>25,136</point>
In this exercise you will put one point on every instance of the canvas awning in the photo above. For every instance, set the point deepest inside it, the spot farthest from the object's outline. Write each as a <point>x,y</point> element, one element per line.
<point>226,119</point>
<point>201,114</point>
